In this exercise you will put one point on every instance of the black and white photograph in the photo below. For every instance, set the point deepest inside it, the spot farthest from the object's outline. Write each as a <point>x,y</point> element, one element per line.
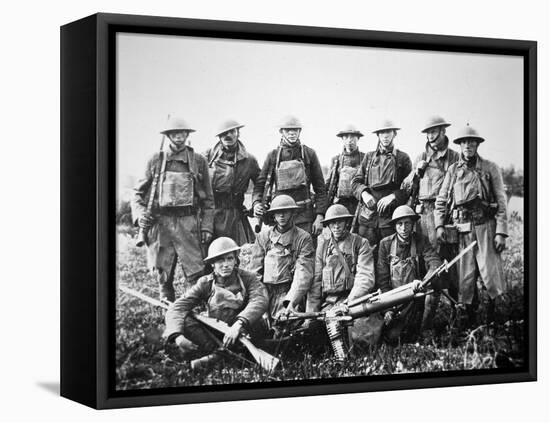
<point>291,211</point>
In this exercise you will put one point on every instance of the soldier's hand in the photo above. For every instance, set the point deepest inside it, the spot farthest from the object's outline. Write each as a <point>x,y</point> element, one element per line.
<point>416,286</point>
<point>421,168</point>
<point>368,200</point>
<point>385,203</point>
<point>500,243</point>
<point>259,210</point>
<point>441,235</point>
<point>233,334</point>
<point>388,317</point>
<point>285,312</point>
<point>145,221</point>
<point>206,237</point>
<point>318,225</point>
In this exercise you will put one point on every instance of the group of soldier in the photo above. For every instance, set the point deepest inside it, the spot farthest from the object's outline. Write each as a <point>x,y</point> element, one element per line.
<point>378,222</point>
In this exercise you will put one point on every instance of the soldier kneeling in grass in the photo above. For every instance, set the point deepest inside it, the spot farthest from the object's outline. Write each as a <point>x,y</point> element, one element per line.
<point>232,295</point>
<point>344,270</point>
<point>406,257</point>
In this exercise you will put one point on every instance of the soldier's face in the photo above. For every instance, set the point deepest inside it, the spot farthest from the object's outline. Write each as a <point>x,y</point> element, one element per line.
<point>350,142</point>
<point>291,134</point>
<point>225,265</point>
<point>386,137</point>
<point>404,227</point>
<point>337,227</point>
<point>283,218</point>
<point>230,138</point>
<point>435,137</point>
<point>178,139</point>
<point>469,147</point>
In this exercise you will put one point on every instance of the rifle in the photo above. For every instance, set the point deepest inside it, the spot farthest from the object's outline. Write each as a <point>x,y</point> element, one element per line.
<point>142,234</point>
<point>374,302</point>
<point>331,192</point>
<point>266,197</point>
<point>263,358</point>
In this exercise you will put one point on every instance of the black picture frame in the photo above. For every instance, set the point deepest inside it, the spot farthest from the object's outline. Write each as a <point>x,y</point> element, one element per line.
<point>88,202</point>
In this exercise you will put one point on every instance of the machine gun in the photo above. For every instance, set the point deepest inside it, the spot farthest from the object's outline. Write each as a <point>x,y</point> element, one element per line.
<point>263,358</point>
<point>344,314</point>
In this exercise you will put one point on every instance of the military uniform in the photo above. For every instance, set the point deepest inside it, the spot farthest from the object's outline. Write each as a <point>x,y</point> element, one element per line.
<point>344,269</point>
<point>344,167</point>
<point>240,297</point>
<point>295,169</point>
<point>183,207</point>
<point>231,171</point>
<point>476,193</point>
<point>400,263</point>
<point>381,173</point>
<point>429,185</point>
<point>285,264</point>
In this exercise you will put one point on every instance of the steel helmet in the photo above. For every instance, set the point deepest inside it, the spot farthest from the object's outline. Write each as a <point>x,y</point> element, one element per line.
<point>228,125</point>
<point>283,202</point>
<point>403,211</point>
<point>220,247</point>
<point>290,122</point>
<point>176,124</point>
<point>468,132</point>
<point>435,121</point>
<point>351,130</point>
<point>336,212</point>
<point>386,124</point>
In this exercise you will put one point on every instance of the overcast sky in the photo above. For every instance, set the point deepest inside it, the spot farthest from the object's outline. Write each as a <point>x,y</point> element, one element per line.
<point>257,83</point>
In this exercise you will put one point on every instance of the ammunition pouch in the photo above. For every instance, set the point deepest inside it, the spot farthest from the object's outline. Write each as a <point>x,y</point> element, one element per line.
<point>451,234</point>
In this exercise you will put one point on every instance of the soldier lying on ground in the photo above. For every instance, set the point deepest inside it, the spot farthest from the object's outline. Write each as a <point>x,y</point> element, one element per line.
<point>230,294</point>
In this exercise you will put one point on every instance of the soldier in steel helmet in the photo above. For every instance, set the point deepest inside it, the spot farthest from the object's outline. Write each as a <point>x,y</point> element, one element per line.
<point>343,168</point>
<point>377,184</point>
<point>232,169</point>
<point>473,199</point>
<point>180,222</point>
<point>232,295</point>
<point>283,257</point>
<point>344,264</point>
<point>423,184</point>
<point>344,270</point>
<point>405,257</point>
<point>294,169</point>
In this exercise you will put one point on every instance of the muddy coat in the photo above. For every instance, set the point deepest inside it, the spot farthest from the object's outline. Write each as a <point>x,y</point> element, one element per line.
<point>313,179</point>
<point>342,167</point>
<point>480,219</point>
<point>330,284</point>
<point>243,284</point>
<point>231,174</point>
<point>380,174</point>
<point>429,185</point>
<point>176,230</point>
<point>285,264</point>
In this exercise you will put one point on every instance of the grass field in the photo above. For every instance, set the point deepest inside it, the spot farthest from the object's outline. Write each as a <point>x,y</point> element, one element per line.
<point>143,360</point>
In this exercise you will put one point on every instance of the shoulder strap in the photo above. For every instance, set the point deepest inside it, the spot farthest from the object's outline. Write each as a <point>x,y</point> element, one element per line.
<point>341,257</point>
